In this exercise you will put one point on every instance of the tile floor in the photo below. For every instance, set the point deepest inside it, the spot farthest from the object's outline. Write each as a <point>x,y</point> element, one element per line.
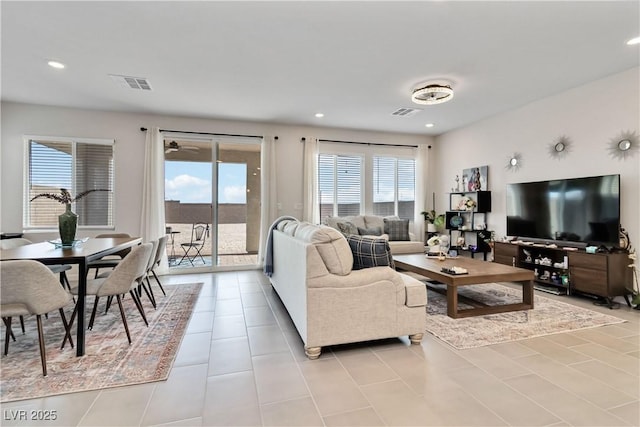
<point>241,363</point>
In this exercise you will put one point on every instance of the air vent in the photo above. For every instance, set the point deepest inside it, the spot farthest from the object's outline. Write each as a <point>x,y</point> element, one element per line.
<point>404,112</point>
<point>131,82</point>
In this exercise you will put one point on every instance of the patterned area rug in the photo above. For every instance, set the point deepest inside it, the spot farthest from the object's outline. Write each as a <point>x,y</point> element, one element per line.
<point>548,317</point>
<point>109,361</point>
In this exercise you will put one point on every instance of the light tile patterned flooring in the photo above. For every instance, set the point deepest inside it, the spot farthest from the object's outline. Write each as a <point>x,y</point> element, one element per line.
<point>241,363</point>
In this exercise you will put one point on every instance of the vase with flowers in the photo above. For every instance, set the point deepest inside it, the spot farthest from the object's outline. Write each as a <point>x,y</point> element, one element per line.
<point>68,220</point>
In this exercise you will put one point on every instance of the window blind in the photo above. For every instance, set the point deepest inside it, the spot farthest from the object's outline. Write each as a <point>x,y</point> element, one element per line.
<point>77,166</point>
<point>340,184</point>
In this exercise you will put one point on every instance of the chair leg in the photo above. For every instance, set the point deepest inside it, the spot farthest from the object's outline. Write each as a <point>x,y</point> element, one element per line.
<point>7,334</point>
<point>124,319</point>
<point>149,292</point>
<point>108,305</point>
<point>93,313</point>
<point>73,317</point>
<point>159,283</point>
<point>22,324</point>
<point>139,306</point>
<point>199,254</point>
<point>67,330</point>
<point>43,355</point>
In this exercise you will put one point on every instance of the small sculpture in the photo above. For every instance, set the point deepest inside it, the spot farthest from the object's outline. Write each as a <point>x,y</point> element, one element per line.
<point>458,183</point>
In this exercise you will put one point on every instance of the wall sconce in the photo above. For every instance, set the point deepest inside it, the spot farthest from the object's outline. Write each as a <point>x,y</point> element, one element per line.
<point>560,147</point>
<point>515,162</point>
<point>624,145</point>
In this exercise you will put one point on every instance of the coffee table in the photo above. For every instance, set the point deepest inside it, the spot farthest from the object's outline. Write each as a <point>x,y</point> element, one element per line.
<point>478,272</point>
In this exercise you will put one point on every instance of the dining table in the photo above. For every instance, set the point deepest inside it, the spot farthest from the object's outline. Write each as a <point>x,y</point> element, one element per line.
<point>80,254</point>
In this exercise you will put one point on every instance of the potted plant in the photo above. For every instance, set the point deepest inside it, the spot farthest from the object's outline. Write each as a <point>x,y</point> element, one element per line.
<point>434,221</point>
<point>67,221</point>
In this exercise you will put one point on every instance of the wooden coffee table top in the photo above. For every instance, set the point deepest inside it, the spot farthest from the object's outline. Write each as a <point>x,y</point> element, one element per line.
<point>479,271</point>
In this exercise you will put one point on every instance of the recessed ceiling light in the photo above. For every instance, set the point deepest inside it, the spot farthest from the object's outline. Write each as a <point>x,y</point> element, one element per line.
<point>319,115</point>
<point>429,125</point>
<point>635,40</point>
<point>56,64</point>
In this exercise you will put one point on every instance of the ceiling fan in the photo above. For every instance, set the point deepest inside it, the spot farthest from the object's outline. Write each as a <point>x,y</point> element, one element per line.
<point>174,146</point>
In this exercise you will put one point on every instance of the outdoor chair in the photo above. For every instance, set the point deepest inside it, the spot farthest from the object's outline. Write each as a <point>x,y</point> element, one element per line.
<point>199,234</point>
<point>125,277</point>
<point>26,288</point>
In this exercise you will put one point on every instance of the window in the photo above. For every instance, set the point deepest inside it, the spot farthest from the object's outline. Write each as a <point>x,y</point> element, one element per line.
<point>340,184</point>
<point>77,165</point>
<point>394,187</point>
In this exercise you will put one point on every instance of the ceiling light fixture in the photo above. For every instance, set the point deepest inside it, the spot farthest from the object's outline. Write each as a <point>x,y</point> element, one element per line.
<point>429,125</point>
<point>319,115</point>
<point>432,94</point>
<point>56,64</point>
<point>635,40</point>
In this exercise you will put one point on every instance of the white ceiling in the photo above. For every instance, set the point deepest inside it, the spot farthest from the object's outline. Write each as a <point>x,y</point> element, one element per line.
<point>356,62</point>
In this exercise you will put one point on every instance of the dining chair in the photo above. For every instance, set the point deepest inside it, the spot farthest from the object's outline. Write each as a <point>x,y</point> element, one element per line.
<point>125,277</point>
<point>30,288</point>
<point>199,234</point>
<point>59,269</point>
<point>109,261</point>
<point>162,247</point>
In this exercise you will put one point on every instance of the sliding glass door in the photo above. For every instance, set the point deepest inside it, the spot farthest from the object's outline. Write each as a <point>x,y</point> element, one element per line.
<point>212,202</point>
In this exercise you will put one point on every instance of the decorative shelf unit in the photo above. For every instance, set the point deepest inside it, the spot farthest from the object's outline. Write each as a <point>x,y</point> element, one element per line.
<point>469,223</point>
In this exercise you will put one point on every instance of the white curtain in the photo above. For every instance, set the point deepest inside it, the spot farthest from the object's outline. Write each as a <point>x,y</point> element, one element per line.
<point>152,224</point>
<point>311,207</point>
<point>268,195</point>
<point>422,199</point>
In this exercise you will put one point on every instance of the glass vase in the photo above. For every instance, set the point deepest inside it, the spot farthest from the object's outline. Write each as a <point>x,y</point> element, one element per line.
<point>67,224</point>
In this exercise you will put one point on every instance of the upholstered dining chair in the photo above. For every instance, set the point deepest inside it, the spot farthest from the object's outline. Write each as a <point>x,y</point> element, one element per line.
<point>125,277</point>
<point>162,247</point>
<point>60,269</point>
<point>199,234</point>
<point>109,261</point>
<point>30,288</point>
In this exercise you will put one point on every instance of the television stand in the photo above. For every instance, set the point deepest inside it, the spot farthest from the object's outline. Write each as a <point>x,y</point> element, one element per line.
<point>604,275</point>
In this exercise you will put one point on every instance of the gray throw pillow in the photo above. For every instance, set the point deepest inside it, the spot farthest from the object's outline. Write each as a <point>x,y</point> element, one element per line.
<point>373,231</point>
<point>370,252</point>
<point>347,228</point>
<point>397,229</point>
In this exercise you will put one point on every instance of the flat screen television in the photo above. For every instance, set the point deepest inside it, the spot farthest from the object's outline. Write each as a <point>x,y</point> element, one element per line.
<point>578,211</point>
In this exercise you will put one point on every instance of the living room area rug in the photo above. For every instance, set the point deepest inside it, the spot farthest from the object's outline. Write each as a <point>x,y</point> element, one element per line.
<point>109,360</point>
<point>549,316</point>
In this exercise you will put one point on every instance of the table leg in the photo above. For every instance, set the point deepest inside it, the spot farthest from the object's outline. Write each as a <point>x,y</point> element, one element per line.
<point>82,293</point>
<point>452,301</point>
<point>527,292</point>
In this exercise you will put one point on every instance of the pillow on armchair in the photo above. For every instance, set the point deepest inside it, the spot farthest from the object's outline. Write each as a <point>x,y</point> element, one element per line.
<point>397,229</point>
<point>370,252</point>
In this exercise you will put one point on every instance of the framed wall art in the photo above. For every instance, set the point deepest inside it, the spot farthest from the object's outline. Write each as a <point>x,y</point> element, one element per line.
<point>475,179</point>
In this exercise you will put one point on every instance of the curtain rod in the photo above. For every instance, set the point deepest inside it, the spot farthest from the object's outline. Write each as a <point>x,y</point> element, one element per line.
<point>143,129</point>
<point>365,143</point>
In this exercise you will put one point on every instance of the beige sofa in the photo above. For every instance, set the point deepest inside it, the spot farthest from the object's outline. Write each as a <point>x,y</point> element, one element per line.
<point>329,302</point>
<point>411,246</point>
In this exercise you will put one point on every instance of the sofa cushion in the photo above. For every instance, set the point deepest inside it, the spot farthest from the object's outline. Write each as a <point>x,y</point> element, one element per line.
<point>397,229</point>
<point>331,245</point>
<point>332,221</point>
<point>347,228</point>
<point>369,252</point>
<point>373,231</point>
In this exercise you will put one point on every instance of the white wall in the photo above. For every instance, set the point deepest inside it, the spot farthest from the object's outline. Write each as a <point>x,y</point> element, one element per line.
<point>24,119</point>
<point>590,115</point>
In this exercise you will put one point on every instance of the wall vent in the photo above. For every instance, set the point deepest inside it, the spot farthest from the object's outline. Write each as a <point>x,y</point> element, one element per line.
<point>404,112</point>
<point>131,82</point>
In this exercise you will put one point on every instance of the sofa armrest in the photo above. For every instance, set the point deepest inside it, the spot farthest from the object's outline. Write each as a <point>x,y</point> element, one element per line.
<point>357,278</point>
<point>416,291</point>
